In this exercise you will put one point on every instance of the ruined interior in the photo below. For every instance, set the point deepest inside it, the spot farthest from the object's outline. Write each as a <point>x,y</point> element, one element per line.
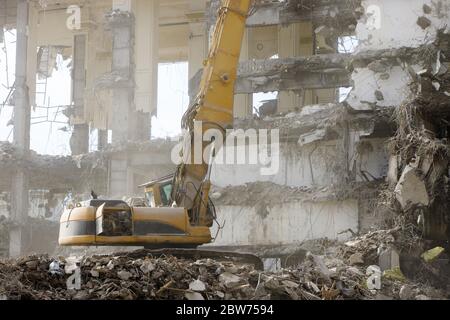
<point>356,90</point>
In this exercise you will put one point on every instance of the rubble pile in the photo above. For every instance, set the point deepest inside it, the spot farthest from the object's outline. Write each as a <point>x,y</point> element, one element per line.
<point>349,272</point>
<point>122,277</point>
<point>366,248</point>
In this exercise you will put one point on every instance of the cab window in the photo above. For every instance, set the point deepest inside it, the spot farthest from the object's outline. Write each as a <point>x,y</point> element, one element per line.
<point>166,191</point>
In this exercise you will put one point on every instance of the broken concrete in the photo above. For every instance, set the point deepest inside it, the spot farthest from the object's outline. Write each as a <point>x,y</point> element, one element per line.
<point>121,276</point>
<point>411,189</point>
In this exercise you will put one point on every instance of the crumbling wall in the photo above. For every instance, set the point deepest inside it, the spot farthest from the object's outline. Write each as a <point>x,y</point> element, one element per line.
<point>414,82</point>
<point>311,149</point>
<point>288,223</point>
<point>314,164</point>
<point>403,27</point>
<point>401,23</point>
<point>264,213</point>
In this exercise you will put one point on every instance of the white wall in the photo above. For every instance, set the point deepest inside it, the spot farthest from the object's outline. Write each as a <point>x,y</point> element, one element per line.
<point>397,25</point>
<point>289,223</point>
<point>392,24</point>
<point>294,168</point>
<point>395,90</point>
<point>306,166</point>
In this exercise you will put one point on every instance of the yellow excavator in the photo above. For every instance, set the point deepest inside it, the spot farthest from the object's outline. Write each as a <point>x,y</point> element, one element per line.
<point>178,212</point>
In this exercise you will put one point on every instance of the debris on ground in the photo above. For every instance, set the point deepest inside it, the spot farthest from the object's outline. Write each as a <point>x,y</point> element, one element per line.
<point>351,272</point>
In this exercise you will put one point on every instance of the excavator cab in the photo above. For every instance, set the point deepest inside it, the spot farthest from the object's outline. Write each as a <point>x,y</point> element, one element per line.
<point>158,192</point>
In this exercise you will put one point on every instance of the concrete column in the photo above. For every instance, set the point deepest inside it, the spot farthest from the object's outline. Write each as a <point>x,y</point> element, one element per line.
<point>122,26</point>
<point>79,142</point>
<point>135,31</point>
<point>102,139</point>
<point>135,60</point>
<point>295,40</point>
<point>33,20</point>
<point>198,45</point>
<point>118,177</point>
<point>243,103</point>
<point>146,58</point>
<point>22,112</point>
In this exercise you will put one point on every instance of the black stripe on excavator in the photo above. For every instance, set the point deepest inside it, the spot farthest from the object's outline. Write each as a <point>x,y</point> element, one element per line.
<point>141,228</point>
<point>77,228</point>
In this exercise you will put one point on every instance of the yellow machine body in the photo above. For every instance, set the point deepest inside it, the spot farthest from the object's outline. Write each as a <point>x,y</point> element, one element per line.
<point>163,227</point>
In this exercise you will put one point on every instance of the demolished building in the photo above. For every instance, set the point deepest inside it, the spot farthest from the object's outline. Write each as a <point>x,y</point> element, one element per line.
<point>375,158</point>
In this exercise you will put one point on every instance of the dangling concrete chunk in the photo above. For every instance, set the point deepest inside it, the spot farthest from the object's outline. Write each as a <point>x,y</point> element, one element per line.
<point>411,190</point>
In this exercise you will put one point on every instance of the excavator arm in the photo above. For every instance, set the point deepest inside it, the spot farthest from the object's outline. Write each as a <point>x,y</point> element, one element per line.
<point>211,109</point>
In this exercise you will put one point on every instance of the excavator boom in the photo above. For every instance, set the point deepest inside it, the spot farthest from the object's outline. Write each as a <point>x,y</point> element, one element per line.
<point>177,211</point>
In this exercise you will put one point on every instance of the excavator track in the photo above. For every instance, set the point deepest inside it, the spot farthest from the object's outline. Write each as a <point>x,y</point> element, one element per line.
<point>196,254</point>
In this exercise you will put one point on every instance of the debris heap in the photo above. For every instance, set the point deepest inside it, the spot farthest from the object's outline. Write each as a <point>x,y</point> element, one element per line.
<point>349,273</point>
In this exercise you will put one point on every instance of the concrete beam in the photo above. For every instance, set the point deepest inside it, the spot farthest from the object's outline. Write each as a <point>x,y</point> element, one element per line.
<point>313,72</point>
<point>333,13</point>
<point>339,14</point>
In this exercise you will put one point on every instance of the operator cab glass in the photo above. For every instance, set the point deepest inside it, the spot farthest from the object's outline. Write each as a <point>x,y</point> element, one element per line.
<point>158,192</point>
<point>166,191</point>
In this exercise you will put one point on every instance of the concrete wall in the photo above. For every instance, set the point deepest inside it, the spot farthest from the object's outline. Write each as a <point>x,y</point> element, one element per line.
<point>370,156</point>
<point>392,84</point>
<point>393,24</point>
<point>294,168</point>
<point>389,24</point>
<point>289,223</point>
<point>307,166</point>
